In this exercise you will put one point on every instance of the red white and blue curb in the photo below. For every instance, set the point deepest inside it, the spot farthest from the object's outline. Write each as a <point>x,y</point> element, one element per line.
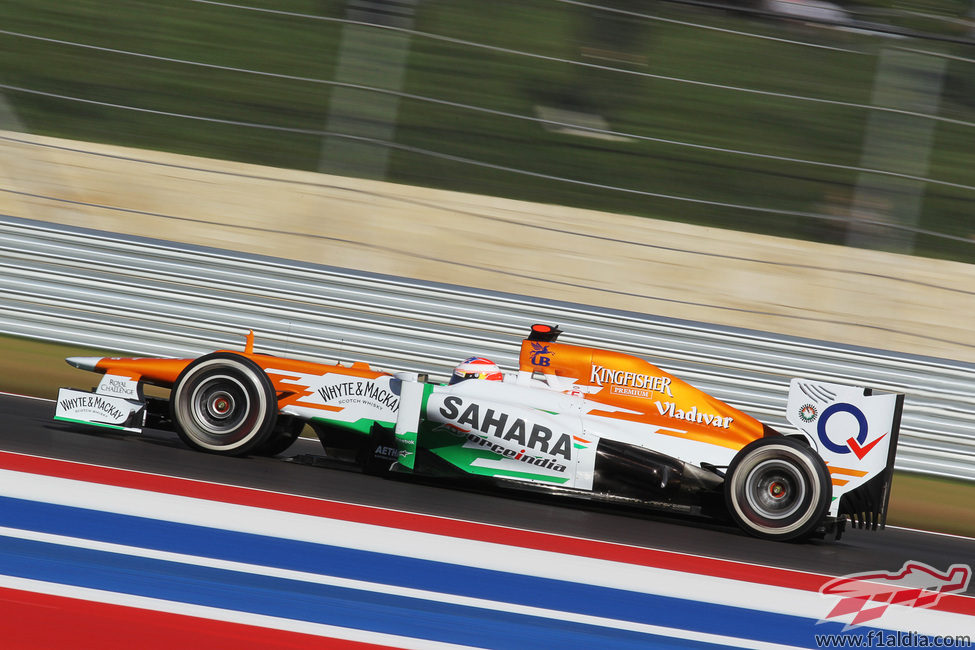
<point>166,559</point>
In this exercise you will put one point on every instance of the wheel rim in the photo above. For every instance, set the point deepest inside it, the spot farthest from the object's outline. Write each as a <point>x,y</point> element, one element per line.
<point>775,489</point>
<point>220,409</point>
<point>219,405</point>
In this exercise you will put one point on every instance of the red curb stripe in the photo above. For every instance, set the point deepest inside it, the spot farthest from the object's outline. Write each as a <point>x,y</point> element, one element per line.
<point>316,507</point>
<point>32,620</point>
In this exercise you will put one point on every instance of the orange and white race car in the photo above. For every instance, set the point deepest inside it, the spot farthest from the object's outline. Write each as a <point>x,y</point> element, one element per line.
<point>574,421</point>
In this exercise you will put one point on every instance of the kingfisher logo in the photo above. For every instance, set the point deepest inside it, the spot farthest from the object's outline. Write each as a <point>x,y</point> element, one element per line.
<point>854,444</point>
<point>865,597</point>
<point>623,379</point>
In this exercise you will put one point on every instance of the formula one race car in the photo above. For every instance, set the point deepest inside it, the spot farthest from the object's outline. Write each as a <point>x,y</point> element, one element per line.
<point>574,421</point>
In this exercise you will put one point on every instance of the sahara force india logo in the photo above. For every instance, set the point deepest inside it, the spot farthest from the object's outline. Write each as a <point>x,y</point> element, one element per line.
<point>483,440</point>
<point>866,596</point>
<point>807,413</point>
<point>507,428</point>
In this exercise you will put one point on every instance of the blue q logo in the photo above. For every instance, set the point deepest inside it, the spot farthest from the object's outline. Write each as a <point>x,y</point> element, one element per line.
<point>853,443</point>
<point>538,353</point>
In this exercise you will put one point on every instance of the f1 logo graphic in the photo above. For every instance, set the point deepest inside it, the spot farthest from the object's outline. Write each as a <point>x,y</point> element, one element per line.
<point>868,595</point>
<point>853,443</point>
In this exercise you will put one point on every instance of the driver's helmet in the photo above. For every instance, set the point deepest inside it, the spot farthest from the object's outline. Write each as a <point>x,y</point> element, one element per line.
<point>476,368</point>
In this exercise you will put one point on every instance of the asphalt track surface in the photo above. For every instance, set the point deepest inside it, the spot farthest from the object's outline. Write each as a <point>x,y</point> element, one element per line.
<point>26,426</point>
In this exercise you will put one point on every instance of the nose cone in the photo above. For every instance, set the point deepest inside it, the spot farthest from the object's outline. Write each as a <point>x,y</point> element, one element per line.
<point>84,363</point>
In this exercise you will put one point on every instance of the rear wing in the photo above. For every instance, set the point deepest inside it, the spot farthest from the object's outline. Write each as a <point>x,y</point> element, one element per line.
<point>855,432</point>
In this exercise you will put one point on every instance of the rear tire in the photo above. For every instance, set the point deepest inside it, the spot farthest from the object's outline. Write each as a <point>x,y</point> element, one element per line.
<point>778,488</point>
<point>223,403</point>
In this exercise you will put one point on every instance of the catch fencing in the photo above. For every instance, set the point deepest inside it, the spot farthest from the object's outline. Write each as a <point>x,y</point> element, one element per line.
<point>830,134</point>
<point>150,297</point>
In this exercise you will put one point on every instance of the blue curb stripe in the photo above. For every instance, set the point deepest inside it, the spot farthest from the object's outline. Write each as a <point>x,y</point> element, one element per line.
<point>292,599</point>
<point>367,566</point>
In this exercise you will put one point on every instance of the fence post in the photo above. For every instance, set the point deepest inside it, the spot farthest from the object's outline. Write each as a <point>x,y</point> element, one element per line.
<point>369,56</point>
<point>896,142</point>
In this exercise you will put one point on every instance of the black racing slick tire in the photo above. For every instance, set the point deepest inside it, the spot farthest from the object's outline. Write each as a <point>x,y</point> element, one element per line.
<point>777,488</point>
<point>223,403</point>
<point>283,436</point>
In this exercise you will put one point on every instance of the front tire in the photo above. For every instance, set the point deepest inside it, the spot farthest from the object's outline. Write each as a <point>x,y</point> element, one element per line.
<point>778,488</point>
<point>285,433</point>
<point>223,403</point>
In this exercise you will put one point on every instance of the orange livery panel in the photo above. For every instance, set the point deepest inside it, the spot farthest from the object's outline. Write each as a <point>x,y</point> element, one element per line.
<point>280,370</point>
<point>635,390</point>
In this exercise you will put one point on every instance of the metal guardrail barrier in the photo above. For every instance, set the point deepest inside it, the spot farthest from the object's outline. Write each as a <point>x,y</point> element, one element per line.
<point>141,296</point>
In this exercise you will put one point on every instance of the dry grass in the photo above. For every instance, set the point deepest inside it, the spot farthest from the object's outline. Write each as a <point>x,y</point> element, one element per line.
<point>931,503</point>
<point>37,368</point>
